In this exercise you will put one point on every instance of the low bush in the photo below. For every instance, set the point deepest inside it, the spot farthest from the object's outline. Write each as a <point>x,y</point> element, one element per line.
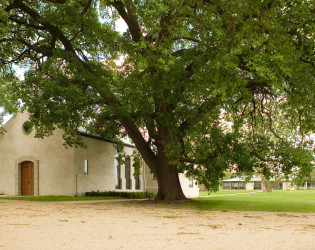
<point>128,195</point>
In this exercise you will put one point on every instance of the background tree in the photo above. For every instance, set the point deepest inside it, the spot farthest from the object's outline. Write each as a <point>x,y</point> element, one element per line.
<point>310,179</point>
<point>275,139</point>
<point>185,62</point>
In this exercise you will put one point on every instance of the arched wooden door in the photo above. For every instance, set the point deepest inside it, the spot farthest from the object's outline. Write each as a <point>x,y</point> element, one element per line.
<point>27,178</point>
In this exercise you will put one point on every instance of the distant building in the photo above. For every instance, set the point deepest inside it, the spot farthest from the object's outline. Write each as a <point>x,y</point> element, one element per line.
<point>254,183</point>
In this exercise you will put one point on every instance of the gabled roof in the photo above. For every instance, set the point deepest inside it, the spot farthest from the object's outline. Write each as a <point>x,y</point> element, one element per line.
<point>103,139</point>
<point>82,132</point>
<point>6,119</point>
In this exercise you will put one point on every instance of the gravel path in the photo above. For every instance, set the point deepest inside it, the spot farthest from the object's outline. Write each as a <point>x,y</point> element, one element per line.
<point>125,224</point>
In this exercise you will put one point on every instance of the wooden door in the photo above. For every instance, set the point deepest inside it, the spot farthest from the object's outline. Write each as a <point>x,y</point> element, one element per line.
<point>27,178</point>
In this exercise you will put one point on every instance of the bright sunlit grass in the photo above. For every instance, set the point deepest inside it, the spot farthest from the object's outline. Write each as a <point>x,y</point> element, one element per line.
<point>275,201</point>
<point>224,192</point>
<point>226,200</point>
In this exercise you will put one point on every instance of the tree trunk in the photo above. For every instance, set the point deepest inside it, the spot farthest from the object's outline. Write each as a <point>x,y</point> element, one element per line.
<point>267,187</point>
<point>267,184</point>
<point>169,187</point>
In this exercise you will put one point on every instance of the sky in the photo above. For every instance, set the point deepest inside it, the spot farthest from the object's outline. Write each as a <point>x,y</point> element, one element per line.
<point>5,118</point>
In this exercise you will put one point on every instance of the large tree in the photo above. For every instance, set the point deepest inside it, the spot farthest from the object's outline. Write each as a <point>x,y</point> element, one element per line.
<point>167,81</point>
<point>309,181</point>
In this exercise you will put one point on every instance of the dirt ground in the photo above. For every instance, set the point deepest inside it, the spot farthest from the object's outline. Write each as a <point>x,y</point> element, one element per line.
<point>125,224</point>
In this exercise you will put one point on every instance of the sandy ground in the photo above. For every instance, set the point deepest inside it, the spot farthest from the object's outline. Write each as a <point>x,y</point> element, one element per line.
<point>129,224</point>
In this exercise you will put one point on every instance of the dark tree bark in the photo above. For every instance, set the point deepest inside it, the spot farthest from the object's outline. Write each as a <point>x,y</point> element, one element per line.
<point>169,187</point>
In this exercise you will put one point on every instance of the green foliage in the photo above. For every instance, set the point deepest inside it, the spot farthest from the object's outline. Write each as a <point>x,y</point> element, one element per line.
<point>203,85</point>
<point>129,195</point>
<point>137,163</point>
<point>7,101</point>
<point>120,157</point>
<point>228,174</point>
<point>311,178</point>
<point>278,147</point>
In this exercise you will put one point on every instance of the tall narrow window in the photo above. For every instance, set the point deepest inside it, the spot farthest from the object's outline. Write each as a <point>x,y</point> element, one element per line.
<point>117,173</point>
<point>127,172</point>
<point>191,182</point>
<point>226,185</point>
<point>137,182</point>
<point>86,167</point>
<point>241,185</point>
<point>234,185</point>
<point>257,185</point>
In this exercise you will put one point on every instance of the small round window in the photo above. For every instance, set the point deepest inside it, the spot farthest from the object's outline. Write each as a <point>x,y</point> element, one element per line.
<point>27,127</point>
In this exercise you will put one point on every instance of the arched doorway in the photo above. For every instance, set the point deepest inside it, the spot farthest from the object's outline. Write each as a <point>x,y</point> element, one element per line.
<point>27,178</point>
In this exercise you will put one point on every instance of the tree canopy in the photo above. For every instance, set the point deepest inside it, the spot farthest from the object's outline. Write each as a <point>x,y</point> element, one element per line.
<point>192,83</point>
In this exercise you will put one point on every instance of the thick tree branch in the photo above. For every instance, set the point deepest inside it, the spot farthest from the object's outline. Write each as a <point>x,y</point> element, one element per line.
<point>42,49</point>
<point>262,158</point>
<point>144,149</point>
<point>86,6</point>
<point>57,1</point>
<point>208,105</point>
<point>151,129</point>
<point>12,5</point>
<point>179,53</point>
<point>51,28</point>
<point>37,27</point>
<point>129,17</point>
<point>19,57</point>
<point>164,23</point>
<point>210,2</point>
<point>270,126</point>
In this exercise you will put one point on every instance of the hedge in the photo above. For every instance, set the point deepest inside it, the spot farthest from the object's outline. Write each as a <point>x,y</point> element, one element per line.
<point>128,195</point>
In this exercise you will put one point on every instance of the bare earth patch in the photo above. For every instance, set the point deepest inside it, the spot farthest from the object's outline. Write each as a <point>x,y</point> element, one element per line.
<point>115,224</point>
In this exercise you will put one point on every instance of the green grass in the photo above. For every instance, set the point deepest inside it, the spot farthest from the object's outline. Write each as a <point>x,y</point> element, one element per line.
<point>58,198</point>
<point>276,201</point>
<point>224,192</point>
<point>242,200</point>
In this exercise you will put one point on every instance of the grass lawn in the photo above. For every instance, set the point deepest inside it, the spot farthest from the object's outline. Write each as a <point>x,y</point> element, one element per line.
<point>58,198</point>
<point>276,201</point>
<point>225,192</point>
<point>226,200</point>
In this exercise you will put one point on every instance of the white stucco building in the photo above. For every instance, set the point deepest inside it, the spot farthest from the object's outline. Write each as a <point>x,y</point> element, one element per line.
<point>35,166</point>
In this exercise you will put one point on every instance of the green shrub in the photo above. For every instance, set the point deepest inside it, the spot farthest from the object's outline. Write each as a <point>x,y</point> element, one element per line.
<point>128,195</point>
